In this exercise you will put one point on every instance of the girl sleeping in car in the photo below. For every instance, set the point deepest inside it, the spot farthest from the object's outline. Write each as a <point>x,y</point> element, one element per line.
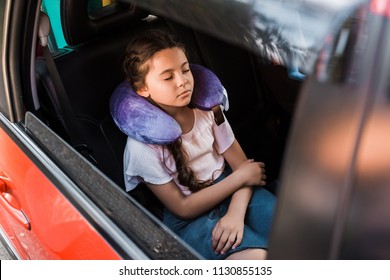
<point>182,147</point>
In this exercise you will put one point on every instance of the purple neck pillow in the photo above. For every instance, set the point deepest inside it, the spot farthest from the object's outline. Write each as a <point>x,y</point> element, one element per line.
<point>141,120</point>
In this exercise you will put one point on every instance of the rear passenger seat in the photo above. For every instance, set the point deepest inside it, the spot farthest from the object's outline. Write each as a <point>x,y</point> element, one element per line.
<point>92,70</point>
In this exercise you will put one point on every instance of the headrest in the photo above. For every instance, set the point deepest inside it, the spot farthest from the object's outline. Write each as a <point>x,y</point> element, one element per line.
<point>79,25</point>
<point>143,121</point>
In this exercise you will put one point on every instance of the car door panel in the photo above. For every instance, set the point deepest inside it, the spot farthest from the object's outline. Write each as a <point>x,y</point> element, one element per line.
<point>44,223</point>
<point>145,234</point>
<point>335,193</point>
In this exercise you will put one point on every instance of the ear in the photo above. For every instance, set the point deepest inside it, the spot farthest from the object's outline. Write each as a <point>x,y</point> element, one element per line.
<point>144,92</point>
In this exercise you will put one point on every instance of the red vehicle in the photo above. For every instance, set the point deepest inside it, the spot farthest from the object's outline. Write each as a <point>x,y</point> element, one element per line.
<point>309,91</point>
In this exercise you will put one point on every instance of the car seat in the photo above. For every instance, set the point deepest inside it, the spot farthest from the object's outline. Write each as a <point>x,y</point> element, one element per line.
<point>90,69</point>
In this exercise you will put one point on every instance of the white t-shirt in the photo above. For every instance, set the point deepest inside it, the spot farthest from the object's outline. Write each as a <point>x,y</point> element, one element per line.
<point>204,144</point>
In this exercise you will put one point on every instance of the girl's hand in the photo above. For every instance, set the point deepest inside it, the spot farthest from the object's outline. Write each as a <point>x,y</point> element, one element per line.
<point>253,173</point>
<point>227,233</point>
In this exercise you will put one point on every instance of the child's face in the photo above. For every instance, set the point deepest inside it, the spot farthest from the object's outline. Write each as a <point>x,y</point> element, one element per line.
<point>169,81</point>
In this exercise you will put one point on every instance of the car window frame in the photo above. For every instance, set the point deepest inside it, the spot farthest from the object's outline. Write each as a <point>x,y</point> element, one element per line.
<point>5,98</point>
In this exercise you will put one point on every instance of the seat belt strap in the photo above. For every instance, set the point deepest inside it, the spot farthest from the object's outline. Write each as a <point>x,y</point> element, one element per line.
<point>72,127</point>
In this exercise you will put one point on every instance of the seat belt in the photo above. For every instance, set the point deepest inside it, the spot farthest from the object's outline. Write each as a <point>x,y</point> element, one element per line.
<point>72,127</point>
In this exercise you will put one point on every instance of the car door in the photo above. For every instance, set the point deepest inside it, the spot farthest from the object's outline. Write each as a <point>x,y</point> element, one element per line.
<point>335,181</point>
<point>37,220</point>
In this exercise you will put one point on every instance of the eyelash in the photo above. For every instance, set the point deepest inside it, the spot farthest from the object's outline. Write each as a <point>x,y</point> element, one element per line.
<point>170,78</point>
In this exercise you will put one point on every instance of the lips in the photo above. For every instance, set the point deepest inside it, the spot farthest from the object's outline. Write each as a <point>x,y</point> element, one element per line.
<point>184,93</point>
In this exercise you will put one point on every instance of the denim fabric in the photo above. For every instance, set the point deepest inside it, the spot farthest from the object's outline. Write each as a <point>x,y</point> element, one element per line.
<point>197,232</point>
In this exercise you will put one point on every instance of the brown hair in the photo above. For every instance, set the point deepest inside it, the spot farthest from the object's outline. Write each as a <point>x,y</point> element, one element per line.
<point>138,52</point>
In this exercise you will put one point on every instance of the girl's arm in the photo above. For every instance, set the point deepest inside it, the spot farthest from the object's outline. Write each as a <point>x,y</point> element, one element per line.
<point>229,230</point>
<point>235,156</point>
<point>191,206</point>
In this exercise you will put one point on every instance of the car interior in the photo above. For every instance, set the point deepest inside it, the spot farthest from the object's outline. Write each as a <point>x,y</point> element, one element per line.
<point>261,94</point>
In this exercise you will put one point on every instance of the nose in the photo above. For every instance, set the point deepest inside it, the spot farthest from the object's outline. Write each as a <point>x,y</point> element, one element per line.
<point>182,80</point>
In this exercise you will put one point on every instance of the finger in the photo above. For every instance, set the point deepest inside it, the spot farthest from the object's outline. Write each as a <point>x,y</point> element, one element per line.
<point>238,240</point>
<point>229,243</point>
<point>221,243</point>
<point>216,236</point>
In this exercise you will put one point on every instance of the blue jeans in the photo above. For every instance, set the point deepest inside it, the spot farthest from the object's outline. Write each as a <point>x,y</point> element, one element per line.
<point>197,232</point>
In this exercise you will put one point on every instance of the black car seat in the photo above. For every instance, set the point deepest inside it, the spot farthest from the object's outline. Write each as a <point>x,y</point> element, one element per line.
<point>90,69</point>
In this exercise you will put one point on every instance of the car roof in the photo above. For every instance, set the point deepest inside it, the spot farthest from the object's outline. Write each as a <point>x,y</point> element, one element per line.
<point>290,32</point>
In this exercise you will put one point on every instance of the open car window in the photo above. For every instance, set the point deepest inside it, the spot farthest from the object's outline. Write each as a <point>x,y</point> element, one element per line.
<point>96,9</point>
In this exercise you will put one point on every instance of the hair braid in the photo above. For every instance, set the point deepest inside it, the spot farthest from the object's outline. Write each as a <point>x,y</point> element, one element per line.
<point>186,175</point>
